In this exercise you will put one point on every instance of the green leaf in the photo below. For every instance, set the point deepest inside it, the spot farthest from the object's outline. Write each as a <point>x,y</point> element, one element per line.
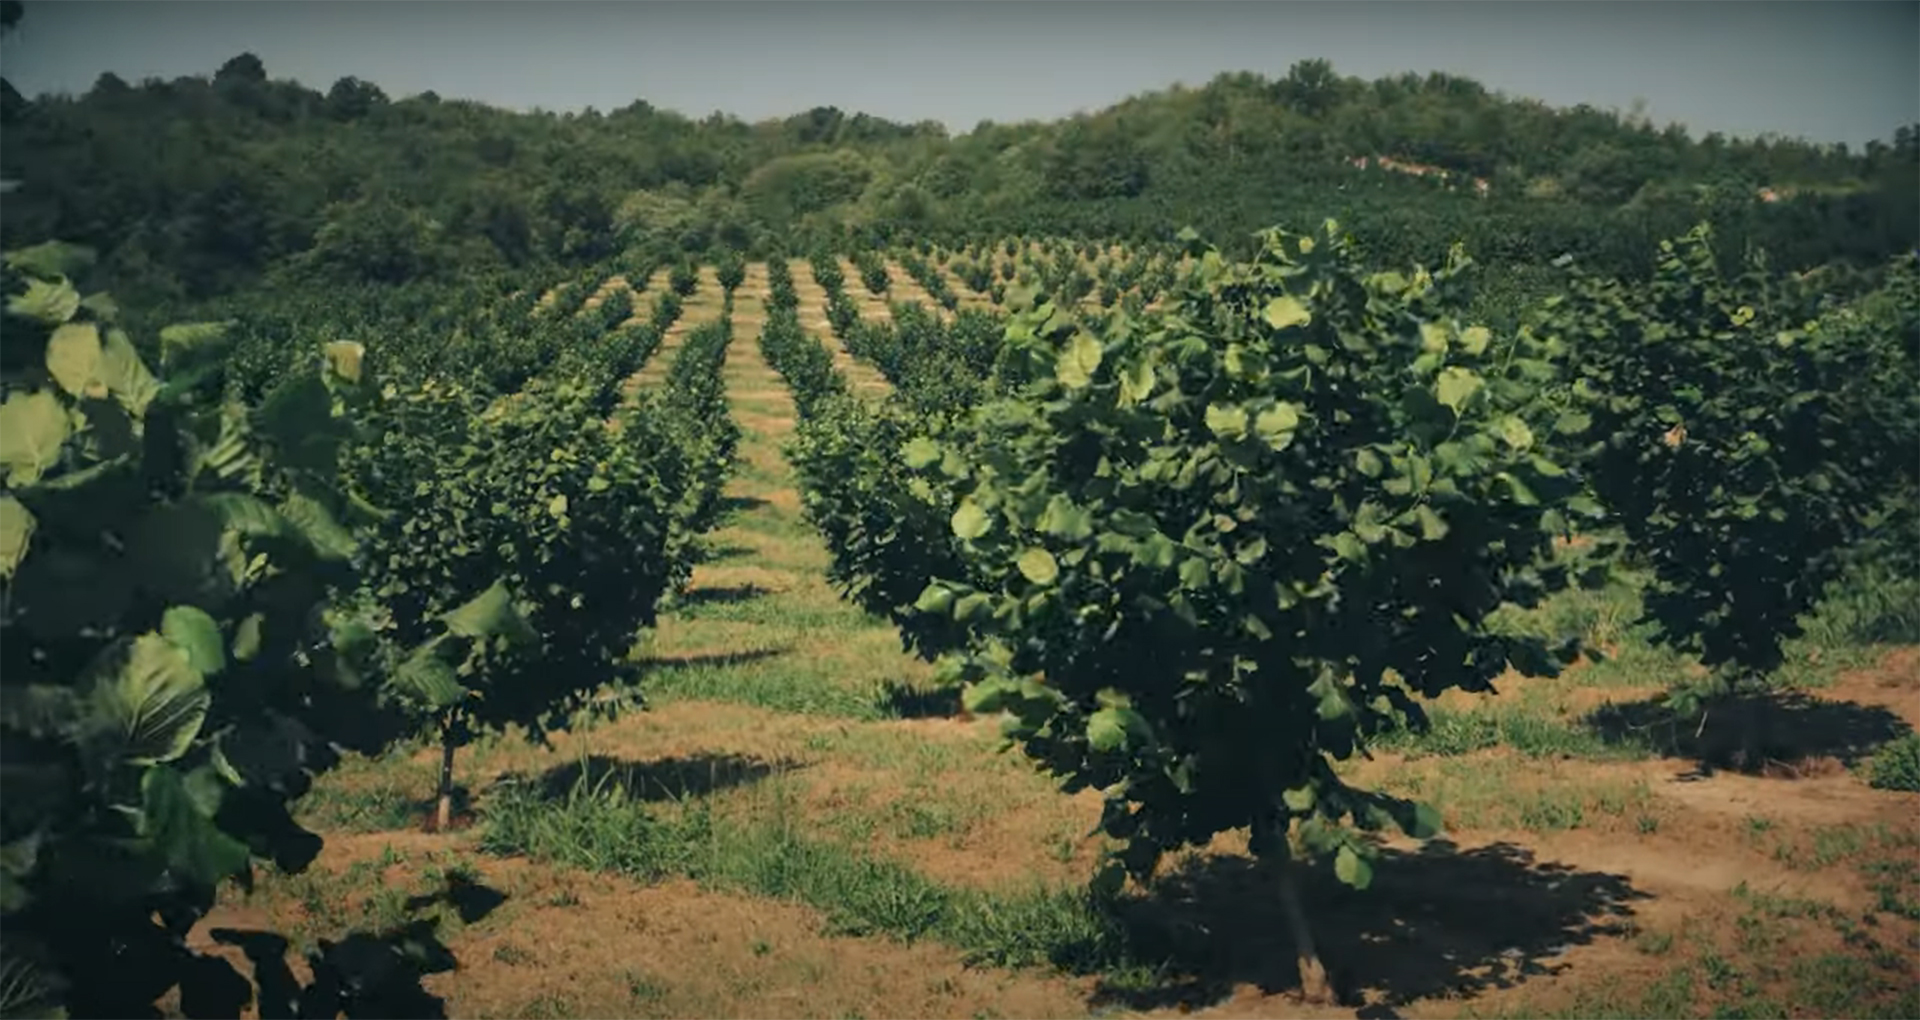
<point>1455,387</point>
<point>935,598</point>
<point>1422,822</point>
<point>51,258</point>
<point>246,637</point>
<point>972,606</point>
<point>1300,799</point>
<point>186,343</point>
<point>1078,362</point>
<point>428,679</point>
<point>73,359</point>
<point>1286,311</point>
<point>969,521</point>
<point>16,531</point>
<point>1368,463</point>
<point>1136,382</point>
<point>1109,728</point>
<point>344,358</point>
<point>51,303</point>
<point>557,506</point>
<point>1226,421</point>
<point>1475,339</point>
<point>1194,573</point>
<point>125,375</point>
<point>492,614</point>
<point>315,523</point>
<point>1038,566</point>
<point>102,305</point>
<point>1352,869</point>
<point>195,633</point>
<point>1063,519</point>
<point>240,512</point>
<point>1276,425</point>
<point>1433,337</point>
<point>177,819</point>
<point>147,702</point>
<point>33,427</point>
<point>1573,423</point>
<point>1516,433</point>
<point>920,452</point>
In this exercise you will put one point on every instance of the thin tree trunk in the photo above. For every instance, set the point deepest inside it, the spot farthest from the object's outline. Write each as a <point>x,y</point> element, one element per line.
<point>1315,986</point>
<point>443,811</point>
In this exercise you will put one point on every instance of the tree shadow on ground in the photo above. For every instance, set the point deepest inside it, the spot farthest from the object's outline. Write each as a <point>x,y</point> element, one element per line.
<point>714,554</point>
<point>662,779</point>
<point>718,660</point>
<point>365,974</point>
<point>899,699</point>
<point>739,504</point>
<point>1758,733</point>
<point>1437,921</point>
<point>724,595</point>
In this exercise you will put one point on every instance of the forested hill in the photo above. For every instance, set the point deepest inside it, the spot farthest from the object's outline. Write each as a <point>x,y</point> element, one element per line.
<point>197,186</point>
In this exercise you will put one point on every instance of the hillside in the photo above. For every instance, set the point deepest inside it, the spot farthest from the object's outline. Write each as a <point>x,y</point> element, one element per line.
<point>197,186</point>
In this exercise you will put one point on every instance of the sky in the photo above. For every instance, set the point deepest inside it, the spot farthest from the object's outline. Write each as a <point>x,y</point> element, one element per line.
<point>1827,70</point>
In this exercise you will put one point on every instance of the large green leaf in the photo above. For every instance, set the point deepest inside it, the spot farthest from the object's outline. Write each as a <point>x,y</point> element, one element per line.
<point>16,530</point>
<point>177,818</point>
<point>1455,387</point>
<point>51,303</point>
<point>1286,311</point>
<point>1038,565</point>
<point>73,359</point>
<point>1277,424</point>
<point>428,679</point>
<point>314,522</point>
<point>492,614</point>
<point>1078,361</point>
<point>33,426</point>
<point>1352,869</point>
<point>188,343</point>
<point>194,632</point>
<point>969,521</point>
<point>147,702</point>
<point>50,259</point>
<point>126,375</point>
<point>1111,728</point>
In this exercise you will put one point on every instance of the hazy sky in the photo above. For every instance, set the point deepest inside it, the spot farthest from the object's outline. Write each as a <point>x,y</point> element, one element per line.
<point>1829,70</point>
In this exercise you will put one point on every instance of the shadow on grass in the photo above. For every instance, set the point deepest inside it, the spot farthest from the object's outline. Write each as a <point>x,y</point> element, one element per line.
<point>901,700</point>
<point>714,554</point>
<point>671,663</point>
<point>726,595</point>
<point>664,779</point>
<point>1436,921</point>
<point>1765,733</point>
<point>365,974</point>
<point>740,504</point>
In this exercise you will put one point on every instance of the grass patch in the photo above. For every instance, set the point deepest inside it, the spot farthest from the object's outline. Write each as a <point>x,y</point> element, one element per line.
<point>1535,734</point>
<point>1485,792</point>
<point>601,828</point>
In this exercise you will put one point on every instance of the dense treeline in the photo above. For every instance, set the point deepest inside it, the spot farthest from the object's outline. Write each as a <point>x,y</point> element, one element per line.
<point>200,185</point>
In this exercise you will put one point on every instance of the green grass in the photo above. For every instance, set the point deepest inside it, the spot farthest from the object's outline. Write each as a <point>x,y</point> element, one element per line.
<point>773,855</point>
<point>1530,730</point>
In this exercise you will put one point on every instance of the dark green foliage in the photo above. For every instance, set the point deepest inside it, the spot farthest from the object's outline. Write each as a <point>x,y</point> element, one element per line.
<point>1746,432</point>
<point>173,674</point>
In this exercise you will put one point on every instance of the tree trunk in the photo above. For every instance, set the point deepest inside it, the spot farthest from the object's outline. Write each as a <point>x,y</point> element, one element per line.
<point>443,810</point>
<point>1315,986</point>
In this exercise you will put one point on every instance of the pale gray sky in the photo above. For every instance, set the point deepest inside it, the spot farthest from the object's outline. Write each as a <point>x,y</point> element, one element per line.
<point>1829,70</point>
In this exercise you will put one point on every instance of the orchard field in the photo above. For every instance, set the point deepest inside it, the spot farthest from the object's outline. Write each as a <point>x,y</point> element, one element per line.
<point>806,820</point>
<point>1295,547</point>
